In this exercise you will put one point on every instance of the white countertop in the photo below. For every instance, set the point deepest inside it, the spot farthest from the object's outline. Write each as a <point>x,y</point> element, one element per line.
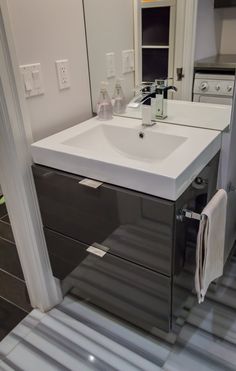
<point>200,115</point>
<point>113,152</point>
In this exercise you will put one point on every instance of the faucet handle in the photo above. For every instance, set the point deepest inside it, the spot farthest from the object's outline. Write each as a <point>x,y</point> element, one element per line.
<point>163,86</point>
<point>163,82</point>
<point>172,88</point>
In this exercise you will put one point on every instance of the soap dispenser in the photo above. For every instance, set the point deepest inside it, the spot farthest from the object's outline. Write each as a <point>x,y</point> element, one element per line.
<point>104,106</point>
<point>119,99</point>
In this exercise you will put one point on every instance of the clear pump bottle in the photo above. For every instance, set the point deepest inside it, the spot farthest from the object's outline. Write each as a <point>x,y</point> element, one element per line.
<point>104,106</point>
<point>119,99</point>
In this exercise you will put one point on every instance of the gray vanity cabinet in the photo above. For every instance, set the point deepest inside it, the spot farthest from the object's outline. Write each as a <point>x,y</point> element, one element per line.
<point>126,290</point>
<point>134,226</point>
<point>142,245</point>
<point>129,291</point>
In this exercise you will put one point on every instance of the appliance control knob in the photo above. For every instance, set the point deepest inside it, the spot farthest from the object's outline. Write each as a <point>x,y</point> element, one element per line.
<point>229,88</point>
<point>218,87</point>
<point>204,86</point>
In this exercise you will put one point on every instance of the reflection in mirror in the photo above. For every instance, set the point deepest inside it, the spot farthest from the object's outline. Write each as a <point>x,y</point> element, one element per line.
<point>157,23</point>
<point>110,37</point>
<point>137,42</point>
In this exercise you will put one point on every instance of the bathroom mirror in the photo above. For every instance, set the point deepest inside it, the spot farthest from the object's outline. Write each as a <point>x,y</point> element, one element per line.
<point>139,41</point>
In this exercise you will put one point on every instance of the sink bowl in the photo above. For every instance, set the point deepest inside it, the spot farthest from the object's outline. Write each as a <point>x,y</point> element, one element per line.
<point>162,160</point>
<point>118,141</point>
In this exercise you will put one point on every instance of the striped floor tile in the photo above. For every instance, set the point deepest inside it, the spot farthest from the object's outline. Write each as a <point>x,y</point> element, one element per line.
<point>75,336</point>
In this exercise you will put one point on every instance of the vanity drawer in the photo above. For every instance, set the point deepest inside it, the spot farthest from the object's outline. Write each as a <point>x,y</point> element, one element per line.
<point>135,226</point>
<point>65,253</point>
<point>126,290</point>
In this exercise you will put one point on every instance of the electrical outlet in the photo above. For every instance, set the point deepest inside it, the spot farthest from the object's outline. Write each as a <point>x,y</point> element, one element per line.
<point>32,79</point>
<point>63,74</point>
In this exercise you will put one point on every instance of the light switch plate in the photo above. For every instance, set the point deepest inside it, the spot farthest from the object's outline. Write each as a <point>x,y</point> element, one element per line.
<point>128,61</point>
<point>132,61</point>
<point>111,65</point>
<point>32,79</point>
<point>63,74</point>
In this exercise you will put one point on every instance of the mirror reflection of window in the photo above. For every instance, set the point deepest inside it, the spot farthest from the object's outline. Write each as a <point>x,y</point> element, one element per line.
<point>157,39</point>
<point>155,24</point>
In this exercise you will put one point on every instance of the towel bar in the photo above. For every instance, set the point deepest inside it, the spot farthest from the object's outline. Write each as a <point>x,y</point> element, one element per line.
<point>184,213</point>
<point>189,214</point>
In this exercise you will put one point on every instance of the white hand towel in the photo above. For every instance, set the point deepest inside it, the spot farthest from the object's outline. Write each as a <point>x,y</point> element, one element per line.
<point>210,244</point>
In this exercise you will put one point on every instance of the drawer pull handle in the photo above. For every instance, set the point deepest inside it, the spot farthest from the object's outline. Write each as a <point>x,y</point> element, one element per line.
<point>98,250</point>
<point>44,175</point>
<point>91,183</point>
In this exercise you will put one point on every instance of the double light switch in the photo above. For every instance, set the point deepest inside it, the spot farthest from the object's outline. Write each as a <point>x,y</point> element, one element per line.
<point>111,65</point>
<point>32,79</point>
<point>128,61</point>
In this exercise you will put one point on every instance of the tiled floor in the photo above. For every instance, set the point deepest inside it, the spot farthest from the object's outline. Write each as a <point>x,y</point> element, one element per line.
<point>74,336</point>
<point>10,316</point>
<point>14,303</point>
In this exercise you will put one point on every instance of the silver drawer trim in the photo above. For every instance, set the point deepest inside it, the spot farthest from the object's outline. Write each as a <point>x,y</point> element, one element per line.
<point>91,183</point>
<point>98,250</point>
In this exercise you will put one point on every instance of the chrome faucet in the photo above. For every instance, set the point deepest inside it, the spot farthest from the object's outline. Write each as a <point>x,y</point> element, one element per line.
<point>154,105</point>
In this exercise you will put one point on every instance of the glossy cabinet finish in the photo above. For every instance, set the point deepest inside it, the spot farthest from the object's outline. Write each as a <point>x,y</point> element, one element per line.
<point>142,276</point>
<point>135,226</point>
<point>133,293</point>
<point>65,253</point>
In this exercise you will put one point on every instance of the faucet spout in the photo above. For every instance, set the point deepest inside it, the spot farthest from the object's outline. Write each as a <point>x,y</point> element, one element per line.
<point>154,105</point>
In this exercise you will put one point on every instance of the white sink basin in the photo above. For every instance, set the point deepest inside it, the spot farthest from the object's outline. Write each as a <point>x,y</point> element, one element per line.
<point>118,142</point>
<point>162,163</point>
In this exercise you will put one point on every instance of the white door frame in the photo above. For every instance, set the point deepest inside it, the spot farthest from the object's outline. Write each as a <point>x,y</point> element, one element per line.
<point>189,42</point>
<point>184,43</point>
<point>17,179</point>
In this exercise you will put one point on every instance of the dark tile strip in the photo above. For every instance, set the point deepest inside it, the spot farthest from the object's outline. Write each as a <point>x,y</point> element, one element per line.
<point>9,260</point>
<point>3,210</point>
<point>6,219</point>
<point>14,290</point>
<point>11,365</point>
<point>10,316</point>
<point>12,286</point>
<point>6,231</point>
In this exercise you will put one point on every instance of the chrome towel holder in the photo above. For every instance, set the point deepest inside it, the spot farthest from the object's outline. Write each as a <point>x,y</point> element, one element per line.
<point>184,213</point>
<point>189,214</point>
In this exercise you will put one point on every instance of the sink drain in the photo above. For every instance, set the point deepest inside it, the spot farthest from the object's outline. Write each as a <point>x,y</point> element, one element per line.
<point>141,135</point>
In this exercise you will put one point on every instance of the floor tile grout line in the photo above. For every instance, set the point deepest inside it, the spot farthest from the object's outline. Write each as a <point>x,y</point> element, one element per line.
<point>4,222</point>
<point>4,216</point>
<point>30,331</point>
<point>6,240</point>
<point>15,305</point>
<point>12,275</point>
<point>89,337</point>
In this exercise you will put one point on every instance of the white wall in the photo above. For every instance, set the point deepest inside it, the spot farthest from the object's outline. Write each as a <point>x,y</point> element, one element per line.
<point>208,30</point>
<point>228,18</point>
<point>110,28</point>
<point>45,31</point>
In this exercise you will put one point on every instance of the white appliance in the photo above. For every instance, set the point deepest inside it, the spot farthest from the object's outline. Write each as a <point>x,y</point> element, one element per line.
<point>219,89</point>
<point>213,88</point>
